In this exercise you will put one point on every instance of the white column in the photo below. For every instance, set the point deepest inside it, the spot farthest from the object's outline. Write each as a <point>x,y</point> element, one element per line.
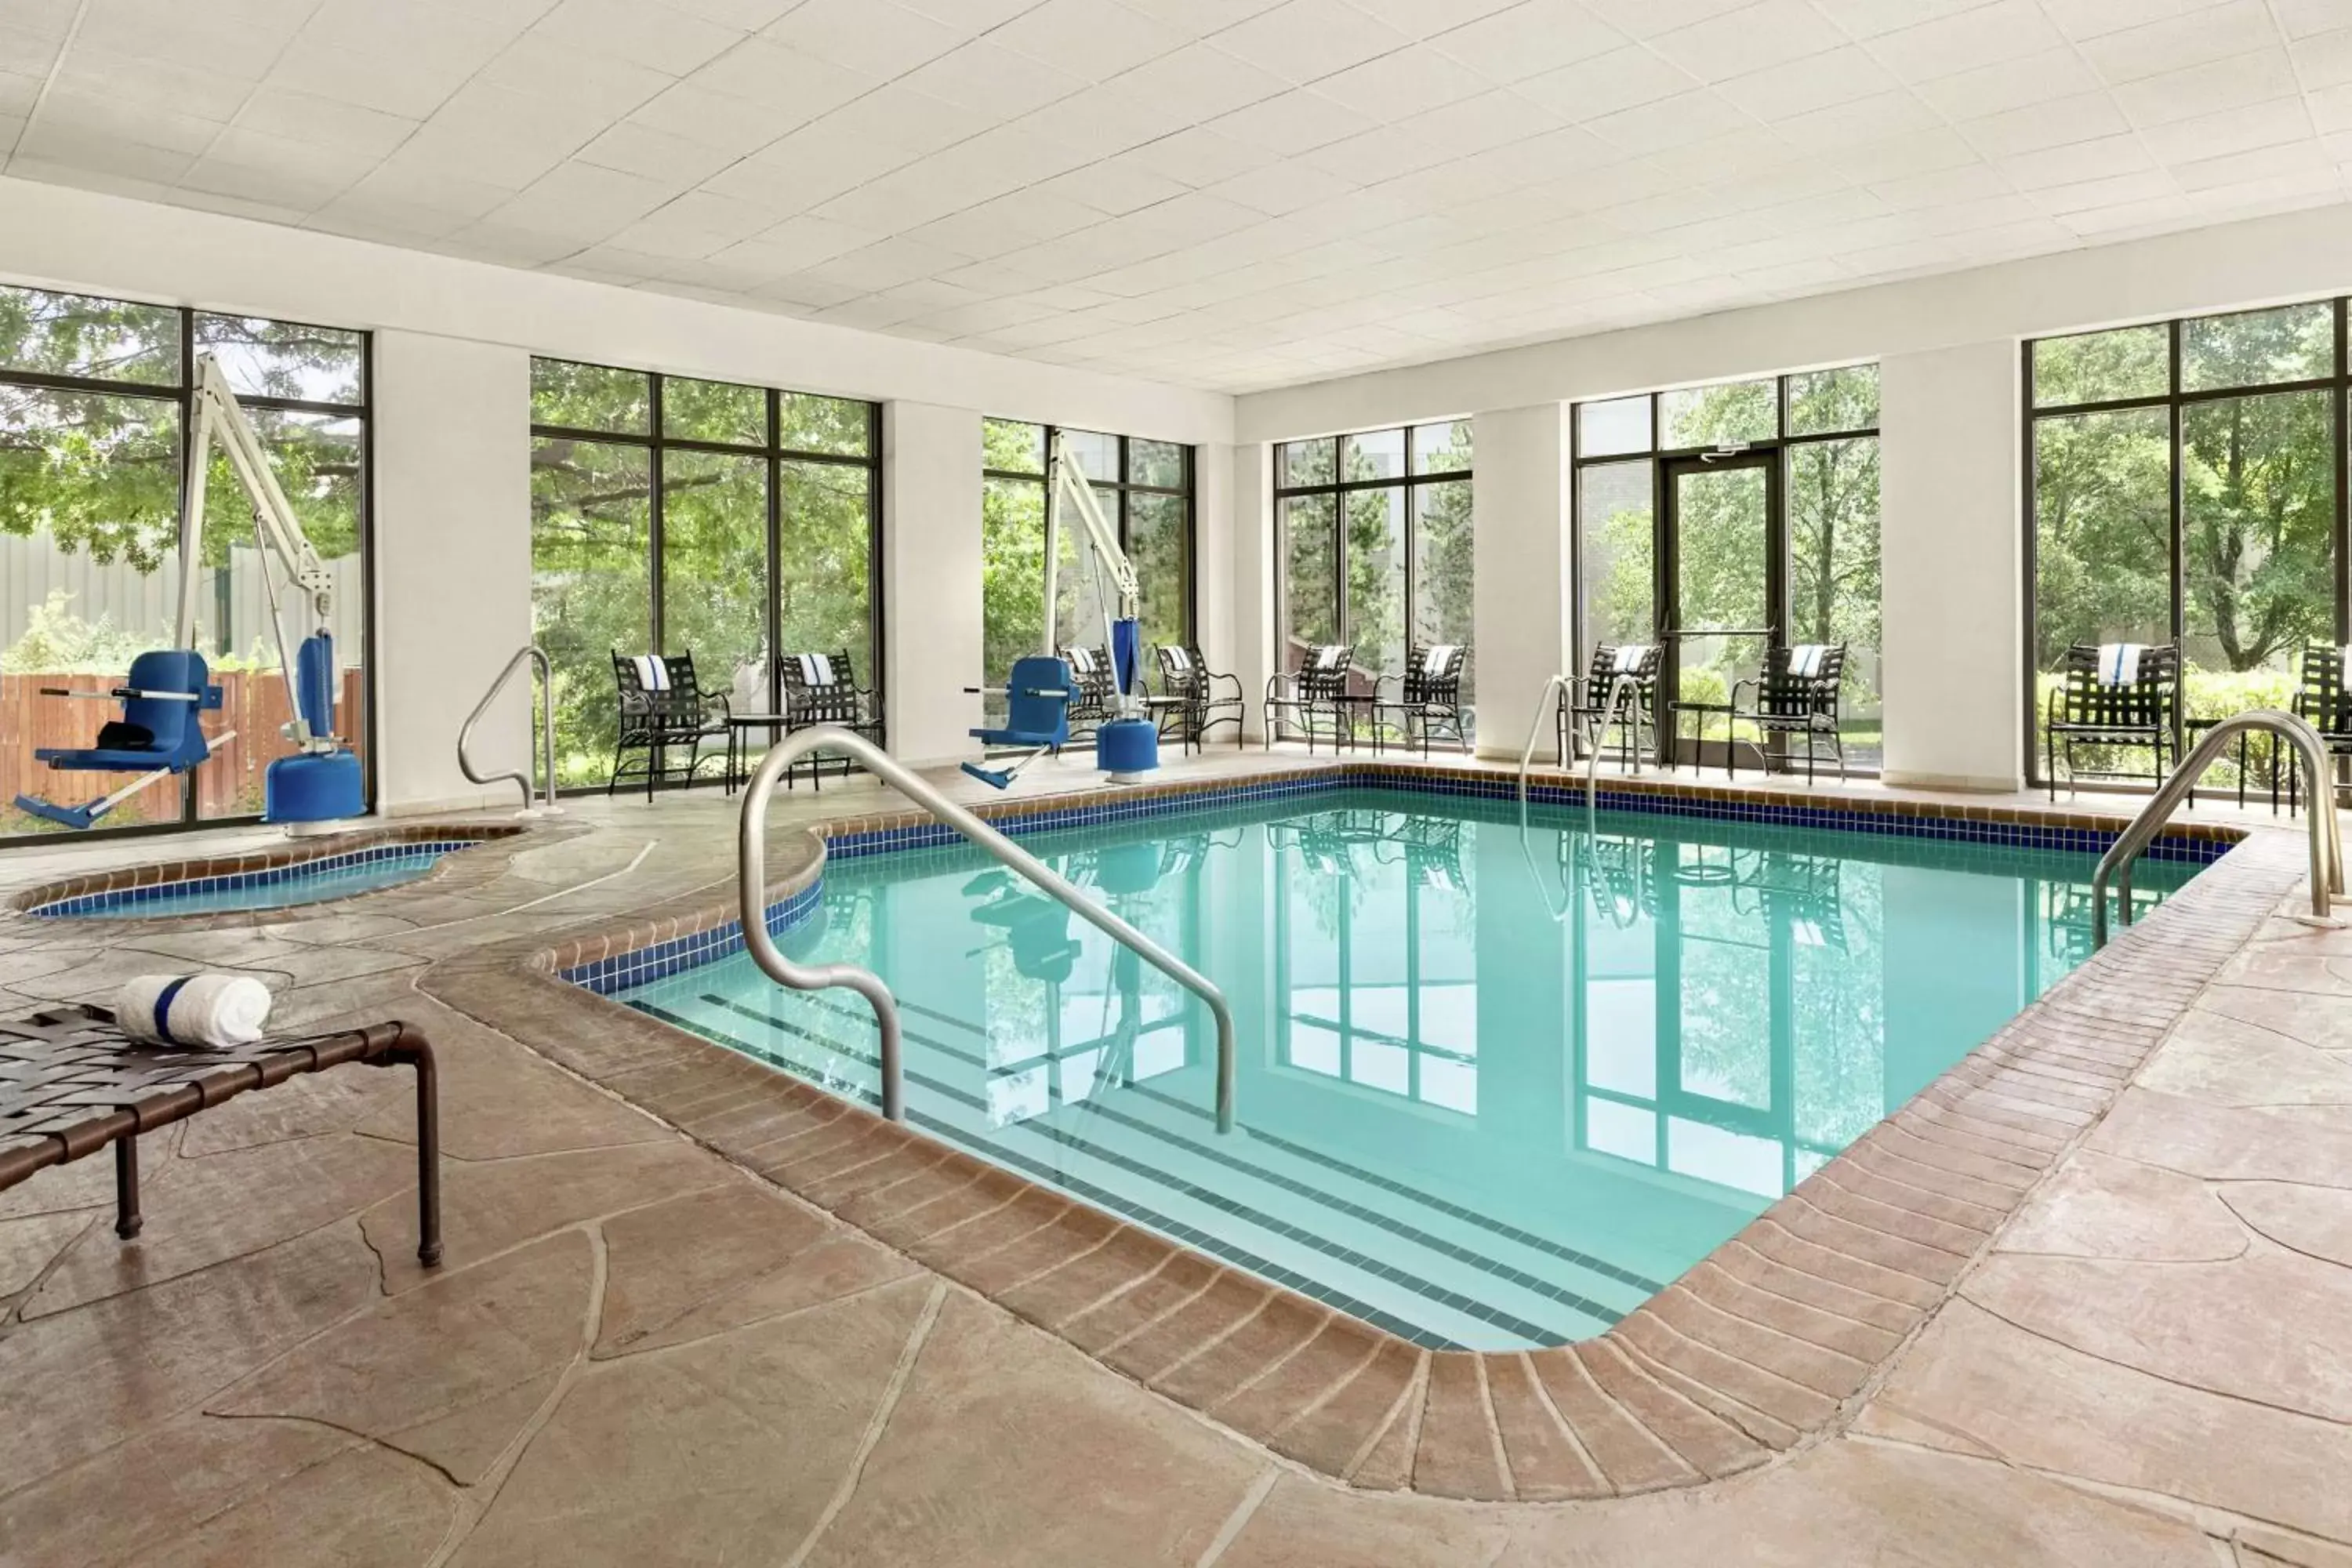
<point>1520,607</point>
<point>931,575</point>
<point>1212,554</point>
<point>1951,555</point>
<point>452,531</point>
<point>1251,529</point>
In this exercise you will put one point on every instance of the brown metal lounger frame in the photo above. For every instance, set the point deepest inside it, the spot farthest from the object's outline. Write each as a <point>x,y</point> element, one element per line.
<point>71,1083</point>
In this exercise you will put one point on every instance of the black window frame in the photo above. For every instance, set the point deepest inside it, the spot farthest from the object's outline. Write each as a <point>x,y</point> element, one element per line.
<point>182,397</point>
<point>1409,483</point>
<point>1188,492</point>
<point>775,455</point>
<point>2175,401</point>
<point>1664,460</point>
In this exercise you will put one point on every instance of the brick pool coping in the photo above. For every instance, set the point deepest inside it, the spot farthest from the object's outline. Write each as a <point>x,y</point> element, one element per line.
<point>453,873</point>
<point>1771,1342</point>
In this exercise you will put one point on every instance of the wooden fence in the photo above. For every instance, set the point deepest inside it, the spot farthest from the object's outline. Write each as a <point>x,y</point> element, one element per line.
<point>253,703</point>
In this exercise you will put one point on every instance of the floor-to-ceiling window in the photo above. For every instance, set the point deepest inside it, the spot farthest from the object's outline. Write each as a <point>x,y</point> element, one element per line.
<point>695,517</point>
<point>1372,545</point>
<point>1727,519</point>
<point>1145,490</point>
<point>2187,487</point>
<point>94,402</point>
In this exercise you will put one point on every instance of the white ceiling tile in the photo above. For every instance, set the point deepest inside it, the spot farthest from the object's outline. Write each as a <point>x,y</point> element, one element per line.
<point>1670,123</point>
<point>1622,78</point>
<point>1425,18</point>
<point>301,175</point>
<point>735,126</point>
<point>642,32</point>
<point>744,16</point>
<point>17,94</point>
<point>2324,59</point>
<point>70,142</point>
<point>1982,35</point>
<point>2054,73</point>
<point>2233,131</point>
<point>1942,187</point>
<point>1112,187</point>
<point>606,200</point>
<point>101,73</point>
<point>771,74</point>
<point>1303,40</point>
<point>1804,86</point>
<point>1899,157</point>
<point>2331,111</point>
<point>50,19</point>
<point>2241,82</point>
<point>393,84</point>
<point>1284,187</point>
<point>1878,117</point>
<point>1091,39</point>
<point>1869,18</point>
<point>127,119</point>
<point>1754,37</point>
<point>170,30</point>
<point>2116,190</point>
<point>509,245</point>
<point>1405,82</point>
<point>875,37</point>
<point>27,54</point>
<point>1529,39</point>
<point>1197,83</point>
<point>393,195</point>
<point>1198,157</point>
<point>327,121</point>
<point>1006,224</point>
<point>2176,43</point>
<point>2085,117</point>
<point>1293,124</point>
<point>2253,166</point>
<point>2106,158</point>
<point>640,150</point>
<point>2091,18</point>
<point>990,79</point>
<point>451,33</point>
<point>550,67</point>
<point>1648,18</point>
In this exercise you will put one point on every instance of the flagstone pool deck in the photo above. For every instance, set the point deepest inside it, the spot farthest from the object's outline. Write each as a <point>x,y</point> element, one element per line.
<point>2132,1345</point>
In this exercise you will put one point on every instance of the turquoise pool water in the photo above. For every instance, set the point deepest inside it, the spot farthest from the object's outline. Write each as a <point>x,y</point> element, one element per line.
<point>1495,1090</point>
<point>272,888</point>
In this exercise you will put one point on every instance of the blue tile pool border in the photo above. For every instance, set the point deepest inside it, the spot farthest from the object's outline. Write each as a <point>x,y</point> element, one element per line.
<point>617,972</point>
<point>114,899</point>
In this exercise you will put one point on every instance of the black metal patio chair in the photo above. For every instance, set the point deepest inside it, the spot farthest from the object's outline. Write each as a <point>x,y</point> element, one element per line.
<point>1193,698</point>
<point>2112,696</point>
<point>1428,695</point>
<point>1318,687</point>
<point>822,689</point>
<point>1583,719</point>
<point>1092,672</point>
<point>1801,693</point>
<point>662,707</point>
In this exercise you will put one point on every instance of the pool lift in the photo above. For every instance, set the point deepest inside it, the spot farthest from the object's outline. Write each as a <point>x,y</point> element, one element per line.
<point>1039,689</point>
<point>159,734</point>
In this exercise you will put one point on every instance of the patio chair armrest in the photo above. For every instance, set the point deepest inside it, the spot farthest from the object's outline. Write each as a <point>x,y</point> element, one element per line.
<point>1747,683</point>
<point>1240,692</point>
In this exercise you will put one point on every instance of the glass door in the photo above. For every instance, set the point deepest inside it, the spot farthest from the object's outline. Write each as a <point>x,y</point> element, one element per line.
<point>1721,534</point>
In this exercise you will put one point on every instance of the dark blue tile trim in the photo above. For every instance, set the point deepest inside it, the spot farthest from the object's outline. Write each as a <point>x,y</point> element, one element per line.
<point>267,876</point>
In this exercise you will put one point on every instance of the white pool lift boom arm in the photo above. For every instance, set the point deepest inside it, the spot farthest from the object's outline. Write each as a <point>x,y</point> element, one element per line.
<point>219,417</point>
<point>1065,482</point>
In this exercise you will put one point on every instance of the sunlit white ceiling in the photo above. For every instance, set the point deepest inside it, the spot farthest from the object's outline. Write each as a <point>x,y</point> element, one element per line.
<point>1225,193</point>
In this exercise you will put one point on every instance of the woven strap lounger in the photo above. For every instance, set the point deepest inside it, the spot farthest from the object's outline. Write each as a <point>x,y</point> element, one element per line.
<point>71,1083</point>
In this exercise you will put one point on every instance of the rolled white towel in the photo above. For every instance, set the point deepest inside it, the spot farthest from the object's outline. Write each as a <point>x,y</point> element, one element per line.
<point>198,1011</point>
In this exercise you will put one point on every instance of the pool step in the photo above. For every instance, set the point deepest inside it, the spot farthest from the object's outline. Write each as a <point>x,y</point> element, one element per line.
<point>1412,1261</point>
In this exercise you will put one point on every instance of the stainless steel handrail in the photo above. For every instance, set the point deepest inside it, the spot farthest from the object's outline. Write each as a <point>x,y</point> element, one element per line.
<point>531,653</point>
<point>1618,687</point>
<point>1544,709</point>
<point>751,860</point>
<point>2326,833</point>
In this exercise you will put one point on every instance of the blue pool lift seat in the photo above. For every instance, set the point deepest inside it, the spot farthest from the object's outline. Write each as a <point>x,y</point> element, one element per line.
<point>1037,714</point>
<point>160,732</point>
<point>161,698</point>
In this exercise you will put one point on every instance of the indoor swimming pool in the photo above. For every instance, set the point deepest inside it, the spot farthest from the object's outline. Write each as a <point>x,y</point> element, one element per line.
<point>1497,1086</point>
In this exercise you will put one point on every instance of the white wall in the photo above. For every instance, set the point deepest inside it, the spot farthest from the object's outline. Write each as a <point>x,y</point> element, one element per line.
<point>452,562</point>
<point>1250,523</point>
<point>1951,555</point>
<point>452,400</point>
<point>1520,552</point>
<point>931,580</point>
